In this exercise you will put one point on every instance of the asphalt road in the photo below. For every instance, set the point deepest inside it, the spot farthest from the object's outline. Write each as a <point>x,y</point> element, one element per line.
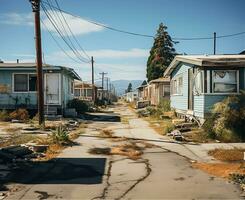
<point>159,174</point>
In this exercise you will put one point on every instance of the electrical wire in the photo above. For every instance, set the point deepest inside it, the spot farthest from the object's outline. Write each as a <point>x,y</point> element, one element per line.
<point>71,31</point>
<point>59,32</point>
<point>57,43</point>
<point>145,35</point>
<point>56,15</point>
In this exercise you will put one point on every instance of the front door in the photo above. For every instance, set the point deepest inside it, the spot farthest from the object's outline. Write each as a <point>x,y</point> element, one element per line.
<point>190,89</point>
<point>52,88</point>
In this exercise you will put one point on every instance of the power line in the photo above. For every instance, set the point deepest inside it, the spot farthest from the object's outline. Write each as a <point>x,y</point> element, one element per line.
<point>71,31</point>
<point>56,15</point>
<point>59,32</point>
<point>57,43</point>
<point>146,35</point>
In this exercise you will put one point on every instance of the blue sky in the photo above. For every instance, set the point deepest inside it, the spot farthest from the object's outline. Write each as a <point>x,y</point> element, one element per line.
<point>122,56</point>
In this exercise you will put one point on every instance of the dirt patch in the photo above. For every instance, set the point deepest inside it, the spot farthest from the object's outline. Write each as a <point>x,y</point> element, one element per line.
<point>119,139</point>
<point>131,150</point>
<point>53,151</point>
<point>103,151</point>
<point>235,154</point>
<point>221,169</point>
<point>106,133</point>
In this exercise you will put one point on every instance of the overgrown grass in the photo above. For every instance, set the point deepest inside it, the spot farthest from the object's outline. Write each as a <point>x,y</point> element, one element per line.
<point>234,154</point>
<point>106,133</point>
<point>17,139</point>
<point>227,120</point>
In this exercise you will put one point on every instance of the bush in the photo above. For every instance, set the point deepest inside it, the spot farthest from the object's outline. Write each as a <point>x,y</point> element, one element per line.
<point>227,121</point>
<point>151,110</point>
<point>79,105</point>
<point>168,127</point>
<point>4,115</point>
<point>19,114</point>
<point>60,136</point>
<point>164,105</point>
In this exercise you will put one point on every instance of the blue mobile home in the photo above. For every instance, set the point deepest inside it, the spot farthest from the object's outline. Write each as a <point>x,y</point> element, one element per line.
<point>18,83</point>
<point>200,81</point>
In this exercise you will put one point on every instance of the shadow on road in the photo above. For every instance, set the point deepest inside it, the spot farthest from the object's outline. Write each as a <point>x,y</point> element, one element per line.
<point>103,117</point>
<point>59,171</point>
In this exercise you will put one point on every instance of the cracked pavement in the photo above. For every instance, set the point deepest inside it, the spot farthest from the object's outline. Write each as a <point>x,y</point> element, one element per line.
<point>163,172</point>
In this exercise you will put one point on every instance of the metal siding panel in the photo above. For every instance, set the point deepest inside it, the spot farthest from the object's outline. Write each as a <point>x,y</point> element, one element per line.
<point>181,101</point>
<point>199,106</point>
<point>7,100</point>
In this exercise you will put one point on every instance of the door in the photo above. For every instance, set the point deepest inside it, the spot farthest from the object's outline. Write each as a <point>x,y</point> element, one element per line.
<point>52,88</point>
<point>190,89</point>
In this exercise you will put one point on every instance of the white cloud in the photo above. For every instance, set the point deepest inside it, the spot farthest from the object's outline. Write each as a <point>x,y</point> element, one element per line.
<point>110,53</point>
<point>17,19</point>
<point>78,26</point>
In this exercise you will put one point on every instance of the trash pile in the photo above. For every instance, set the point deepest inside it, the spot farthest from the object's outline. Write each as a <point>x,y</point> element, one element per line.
<point>17,153</point>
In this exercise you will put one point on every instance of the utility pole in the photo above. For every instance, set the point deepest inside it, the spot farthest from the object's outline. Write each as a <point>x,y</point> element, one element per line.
<point>107,88</point>
<point>103,75</point>
<point>214,43</point>
<point>93,90</point>
<point>36,9</point>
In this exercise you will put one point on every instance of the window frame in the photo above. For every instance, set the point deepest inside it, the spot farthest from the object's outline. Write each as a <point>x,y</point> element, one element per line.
<point>225,93</point>
<point>176,78</point>
<point>13,83</point>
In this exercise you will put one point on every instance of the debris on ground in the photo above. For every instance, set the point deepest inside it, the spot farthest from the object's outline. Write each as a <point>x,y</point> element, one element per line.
<point>177,135</point>
<point>239,179</point>
<point>106,132</point>
<point>132,150</point>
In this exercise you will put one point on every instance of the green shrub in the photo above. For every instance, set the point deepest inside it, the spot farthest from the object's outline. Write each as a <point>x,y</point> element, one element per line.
<point>79,105</point>
<point>168,127</point>
<point>164,105</point>
<point>19,114</point>
<point>60,135</point>
<point>4,115</point>
<point>151,110</point>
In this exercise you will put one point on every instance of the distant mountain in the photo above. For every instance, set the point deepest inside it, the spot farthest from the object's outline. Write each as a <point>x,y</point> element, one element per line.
<point>122,85</point>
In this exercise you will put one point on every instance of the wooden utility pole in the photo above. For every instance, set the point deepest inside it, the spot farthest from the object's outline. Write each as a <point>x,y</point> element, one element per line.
<point>107,88</point>
<point>93,88</point>
<point>36,9</point>
<point>103,75</point>
<point>214,43</point>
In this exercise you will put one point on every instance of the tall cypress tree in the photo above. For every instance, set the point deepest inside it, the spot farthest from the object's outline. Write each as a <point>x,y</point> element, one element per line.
<point>161,54</point>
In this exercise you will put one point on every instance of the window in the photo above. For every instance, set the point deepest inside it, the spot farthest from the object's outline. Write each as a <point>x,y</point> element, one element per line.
<point>198,83</point>
<point>72,87</point>
<point>32,82</point>
<point>89,92</point>
<point>166,90</point>
<point>177,85</point>
<point>225,81</point>
<point>21,82</point>
<point>25,82</point>
<point>77,92</point>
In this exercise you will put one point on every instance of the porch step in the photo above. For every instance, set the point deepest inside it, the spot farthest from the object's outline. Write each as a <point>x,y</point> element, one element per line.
<point>50,110</point>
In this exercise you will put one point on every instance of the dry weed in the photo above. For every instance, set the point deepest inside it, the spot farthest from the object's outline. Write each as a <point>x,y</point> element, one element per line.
<point>235,154</point>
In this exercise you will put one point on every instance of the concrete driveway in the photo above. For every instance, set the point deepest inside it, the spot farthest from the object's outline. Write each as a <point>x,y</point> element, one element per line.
<point>163,172</point>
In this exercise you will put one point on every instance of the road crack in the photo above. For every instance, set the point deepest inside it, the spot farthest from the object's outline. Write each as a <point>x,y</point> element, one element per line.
<point>148,172</point>
<point>105,190</point>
